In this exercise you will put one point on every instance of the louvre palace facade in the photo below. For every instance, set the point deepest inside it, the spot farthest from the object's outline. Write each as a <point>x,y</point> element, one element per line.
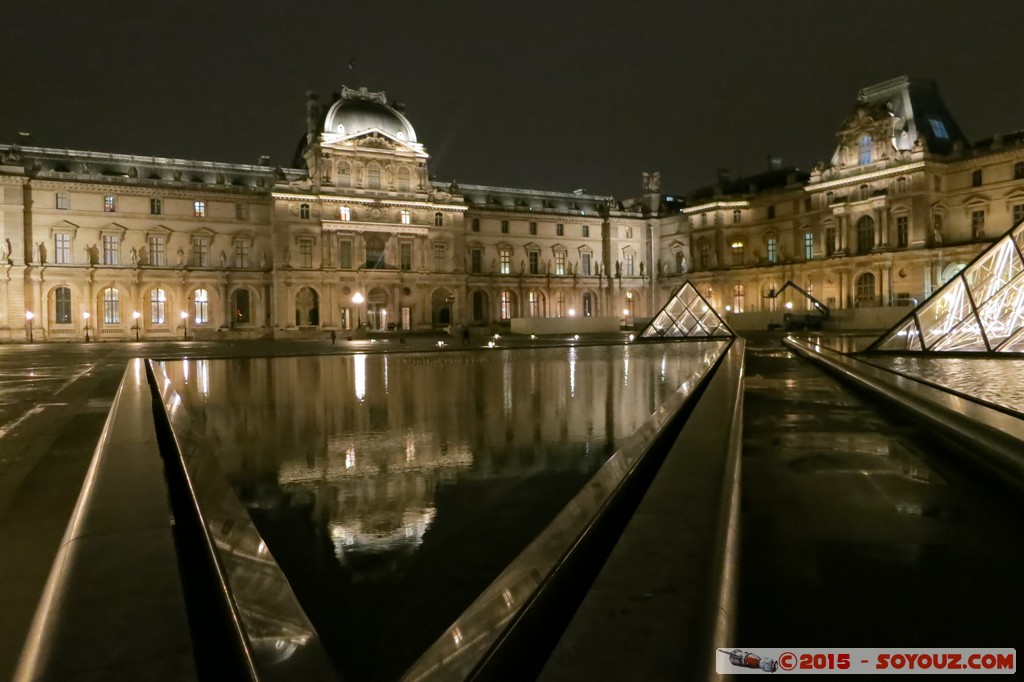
<point>357,234</point>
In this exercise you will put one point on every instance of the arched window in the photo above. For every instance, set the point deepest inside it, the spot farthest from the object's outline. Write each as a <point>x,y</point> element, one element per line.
<point>62,309</point>
<point>202,305</point>
<point>865,235</point>
<point>588,304</point>
<point>506,305</point>
<point>865,291</point>
<point>157,306</point>
<point>438,220</point>
<point>373,176</point>
<point>111,306</point>
<point>864,145</point>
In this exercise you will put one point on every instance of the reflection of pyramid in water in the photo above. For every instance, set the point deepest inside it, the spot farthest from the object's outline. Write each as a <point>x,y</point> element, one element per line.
<point>980,310</point>
<point>687,315</point>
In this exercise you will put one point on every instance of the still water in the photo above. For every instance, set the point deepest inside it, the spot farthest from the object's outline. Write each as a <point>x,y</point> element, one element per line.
<point>995,380</point>
<point>392,489</point>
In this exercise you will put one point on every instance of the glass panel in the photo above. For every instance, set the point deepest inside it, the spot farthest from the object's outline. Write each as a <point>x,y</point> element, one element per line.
<point>1018,235</point>
<point>675,308</point>
<point>993,270</point>
<point>907,337</point>
<point>1014,344</point>
<point>966,337</point>
<point>687,294</point>
<point>945,310</point>
<point>1003,314</point>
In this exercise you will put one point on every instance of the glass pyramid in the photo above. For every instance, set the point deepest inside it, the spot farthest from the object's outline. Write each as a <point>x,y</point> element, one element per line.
<point>980,310</point>
<point>687,315</point>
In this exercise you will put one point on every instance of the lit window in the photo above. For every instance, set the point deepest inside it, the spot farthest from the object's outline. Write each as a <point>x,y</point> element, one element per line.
<point>344,213</point>
<point>808,245</point>
<point>156,206</point>
<point>738,296</point>
<point>737,253</point>
<point>977,224</point>
<point>533,299</point>
<point>157,306</point>
<point>902,231</point>
<point>438,220</point>
<point>304,211</point>
<point>111,306</point>
<point>241,211</point>
<point>406,216</point>
<point>201,252</point>
<point>560,230</point>
<point>63,201</point>
<point>1018,213</point>
<point>306,253</point>
<point>504,227</point>
<point>505,261</point>
<point>62,252</point>
<point>157,250</point>
<point>505,312</point>
<point>560,262</point>
<point>199,209</point>
<point>109,203</point>
<point>585,231</point>
<point>773,249</point>
<point>202,305</point>
<point>939,128</point>
<point>865,150</point>
<point>62,310</point>
<point>628,265</point>
<point>111,249</point>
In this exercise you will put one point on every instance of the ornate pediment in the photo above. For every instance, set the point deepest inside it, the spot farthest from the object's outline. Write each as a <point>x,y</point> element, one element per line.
<point>374,141</point>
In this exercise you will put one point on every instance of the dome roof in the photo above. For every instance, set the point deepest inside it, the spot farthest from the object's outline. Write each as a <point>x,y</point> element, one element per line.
<point>360,110</point>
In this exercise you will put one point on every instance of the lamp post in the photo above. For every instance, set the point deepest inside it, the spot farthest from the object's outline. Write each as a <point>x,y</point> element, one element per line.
<point>28,318</point>
<point>136,315</point>
<point>184,325</point>
<point>85,316</point>
<point>357,300</point>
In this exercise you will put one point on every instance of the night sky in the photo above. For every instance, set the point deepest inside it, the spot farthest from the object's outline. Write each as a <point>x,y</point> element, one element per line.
<point>545,95</point>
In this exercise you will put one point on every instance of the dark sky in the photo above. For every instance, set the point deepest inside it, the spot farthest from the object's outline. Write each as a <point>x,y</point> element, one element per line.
<point>546,95</point>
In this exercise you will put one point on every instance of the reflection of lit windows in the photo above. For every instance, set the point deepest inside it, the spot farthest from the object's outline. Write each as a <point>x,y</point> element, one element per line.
<point>62,312</point>
<point>864,154</point>
<point>109,203</point>
<point>737,253</point>
<point>359,365</point>
<point>559,262</point>
<point>199,209</point>
<point>344,213</point>
<point>406,217</point>
<point>157,250</point>
<point>64,201</point>
<point>111,306</point>
<point>808,245</point>
<point>157,306</point>
<point>505,260</point>
<point>505,313</point>
<point>773,249</point>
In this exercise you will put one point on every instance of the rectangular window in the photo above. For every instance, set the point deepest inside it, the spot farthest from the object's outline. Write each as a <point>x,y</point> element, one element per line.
<point>705,255</point>
<point>736,215</point>
<point>62,252</point>
<point>405,256</point>
<point>628,265</point>
<point>585,264</point>
<point>157,250</point>
<point>201,253</point>
<point>111,249</point>
<point>241,211</point>
<point>505,258</point>
<point>585,231</point>
<point>345,254</point>
<point>63,201</point>
<point>703,219</point>
<point>504,227</point>
<point>560,230</point>
<point>475,225</point>
<point>773,249</point>
<point>533,228</point>
<point>476,257</point>
<point>345,213</point>
<point>306,253</point>
<point>629,233</point>
<point>406,217</point>
<point>199,209</point>
<point>830,241</point>
<point>560,262</point>
<point>737,253</point>
<point>533,259</point>
<point>808,245</point>
<point>156,206</point>
<point>902,231</point>
<point>1018,213</point>
<point>976,178</point>
<point>439,257</point>
<point>241,254</point>
<point>109,203</point>
<point>771,212</point>
<point>977,224</point>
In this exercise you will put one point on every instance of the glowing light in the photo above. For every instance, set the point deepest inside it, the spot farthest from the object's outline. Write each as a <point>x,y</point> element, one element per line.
<point>490,344</point>
<point>789,305</point>
<point>728,308</point>
<point>136,314</point>
<point>184,315</point>
<point>203,370</point>
<point>359,365</point>
<point>572,312</point>
<point>357,298</point>
<point>625,312</point>
<point>440,344</point>
<point>737,245</point>
<point>533,336</point>
<point>576,337</point>
<point>631,337</point>
<point>29,315</point>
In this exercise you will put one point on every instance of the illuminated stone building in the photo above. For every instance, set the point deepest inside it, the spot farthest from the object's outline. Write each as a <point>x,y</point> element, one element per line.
<point>903,204</point>
<point>356,233</point>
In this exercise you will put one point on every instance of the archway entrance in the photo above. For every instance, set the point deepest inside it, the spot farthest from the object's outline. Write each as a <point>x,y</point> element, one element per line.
<point>307,308</point>
<point>377,309</point>
<point>442,303</point>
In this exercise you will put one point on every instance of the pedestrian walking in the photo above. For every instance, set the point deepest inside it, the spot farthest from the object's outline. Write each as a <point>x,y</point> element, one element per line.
<point>334,337</point>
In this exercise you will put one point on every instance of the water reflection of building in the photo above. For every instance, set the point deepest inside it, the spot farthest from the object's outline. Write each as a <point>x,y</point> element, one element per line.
<point>364,442</point>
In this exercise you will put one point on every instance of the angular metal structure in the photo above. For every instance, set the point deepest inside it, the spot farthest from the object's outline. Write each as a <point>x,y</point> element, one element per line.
<point>687,315</point>
<point>980,310</point>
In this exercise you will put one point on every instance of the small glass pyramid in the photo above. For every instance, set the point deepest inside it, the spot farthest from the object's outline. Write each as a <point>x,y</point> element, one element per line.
<point>980,310</point>
<point>687,315</point>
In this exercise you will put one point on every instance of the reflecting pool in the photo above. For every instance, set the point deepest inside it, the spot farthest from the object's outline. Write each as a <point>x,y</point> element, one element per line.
<point>996,380</point>
<point>392,489</point>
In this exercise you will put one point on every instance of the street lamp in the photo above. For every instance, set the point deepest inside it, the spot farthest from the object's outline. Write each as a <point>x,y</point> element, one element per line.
<point>136,315</point>
<point>85,316</point>
<point>28,318</point>
<point>184,325</point>
<point>357,300</point>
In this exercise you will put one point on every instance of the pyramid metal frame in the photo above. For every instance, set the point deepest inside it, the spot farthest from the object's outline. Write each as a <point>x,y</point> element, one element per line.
<point>979,310</point>
<point>687,315</point>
